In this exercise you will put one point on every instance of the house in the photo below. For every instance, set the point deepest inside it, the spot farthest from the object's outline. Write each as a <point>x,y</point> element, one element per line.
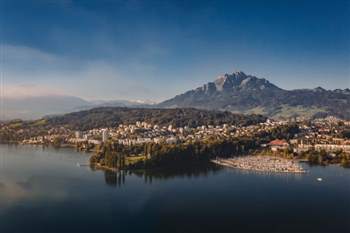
<point>277,145</point>
<point>172,140</point>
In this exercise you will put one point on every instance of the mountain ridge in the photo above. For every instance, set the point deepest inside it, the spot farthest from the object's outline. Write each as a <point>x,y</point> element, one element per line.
<point>239,92</point>
<point>236,92</point>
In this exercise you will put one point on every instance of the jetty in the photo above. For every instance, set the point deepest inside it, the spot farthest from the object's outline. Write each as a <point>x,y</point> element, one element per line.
<point>262,164</point>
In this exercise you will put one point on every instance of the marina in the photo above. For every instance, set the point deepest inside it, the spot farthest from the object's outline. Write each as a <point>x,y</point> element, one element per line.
<point>262,164</point>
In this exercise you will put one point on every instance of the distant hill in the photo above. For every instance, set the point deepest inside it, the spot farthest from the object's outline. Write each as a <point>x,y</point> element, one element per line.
<point>34,107</point>
<point>113,116</point>
<point>119,103</point>
<point>239,92</point>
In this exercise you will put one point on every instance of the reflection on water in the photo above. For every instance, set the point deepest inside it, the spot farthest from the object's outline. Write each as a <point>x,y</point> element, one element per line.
<point>115,178</point>
<point>42,190</point>
<point>119,178</point>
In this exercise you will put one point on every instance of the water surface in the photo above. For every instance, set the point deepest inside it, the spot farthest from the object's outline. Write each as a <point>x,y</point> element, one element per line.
<point>42,190</point>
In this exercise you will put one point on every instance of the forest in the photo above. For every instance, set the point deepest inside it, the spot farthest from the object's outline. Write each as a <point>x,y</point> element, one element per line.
<point>178,117</point>
<point>151,155</point>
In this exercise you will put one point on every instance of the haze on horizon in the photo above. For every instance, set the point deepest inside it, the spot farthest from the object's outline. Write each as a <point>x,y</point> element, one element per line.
<point>155,50</point>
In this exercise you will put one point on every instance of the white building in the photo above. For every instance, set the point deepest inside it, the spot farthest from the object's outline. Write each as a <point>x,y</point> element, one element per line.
<point>78,134</point>
<point>171,140</point>
<point>104,135</point>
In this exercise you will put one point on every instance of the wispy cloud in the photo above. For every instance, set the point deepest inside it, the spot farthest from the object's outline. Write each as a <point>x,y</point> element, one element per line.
<point>22,54</point>
<point>32,72</point>
<point>30,90</point>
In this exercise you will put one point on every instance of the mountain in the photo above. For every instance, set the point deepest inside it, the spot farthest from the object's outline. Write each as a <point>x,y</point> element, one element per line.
<point>236,92</point>
<point>121,103</point>
<point>33,107</point>
<point>239,92</point>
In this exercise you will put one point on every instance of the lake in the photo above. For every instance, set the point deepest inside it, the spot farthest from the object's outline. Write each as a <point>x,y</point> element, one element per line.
<point>43,190</point>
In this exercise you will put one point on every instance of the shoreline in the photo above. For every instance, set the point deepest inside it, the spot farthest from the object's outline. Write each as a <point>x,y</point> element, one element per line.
<point>98,166</point>
<point>226,162</point>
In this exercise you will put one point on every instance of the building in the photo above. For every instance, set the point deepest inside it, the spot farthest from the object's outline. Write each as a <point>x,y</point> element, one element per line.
<point>332,147</point>
<point>78,134</point>
<point>278,145</point>
<point>104,135</point>
<point>171,140</point>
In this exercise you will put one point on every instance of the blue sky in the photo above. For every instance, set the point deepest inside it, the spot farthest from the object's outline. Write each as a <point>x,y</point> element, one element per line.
<point>157,49</point>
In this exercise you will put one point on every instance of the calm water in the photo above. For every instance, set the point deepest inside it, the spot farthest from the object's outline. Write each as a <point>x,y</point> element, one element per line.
<point>42,190</point>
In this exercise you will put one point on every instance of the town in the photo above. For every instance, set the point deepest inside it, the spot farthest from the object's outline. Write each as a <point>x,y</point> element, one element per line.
<point>320,134</point>
<point>306,139</point>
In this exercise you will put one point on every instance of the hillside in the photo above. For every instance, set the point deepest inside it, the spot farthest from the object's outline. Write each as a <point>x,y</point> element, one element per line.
<point>239,92</point>
<point>113,116</point>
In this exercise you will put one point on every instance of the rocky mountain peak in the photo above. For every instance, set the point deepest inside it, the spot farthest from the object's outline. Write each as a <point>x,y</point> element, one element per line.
<point>244,93</point>
<point>240,81</point>
<point>319,89</point>
<point>239,74</point>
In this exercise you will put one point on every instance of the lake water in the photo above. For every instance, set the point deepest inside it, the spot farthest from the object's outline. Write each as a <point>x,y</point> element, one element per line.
<point>43,190</point>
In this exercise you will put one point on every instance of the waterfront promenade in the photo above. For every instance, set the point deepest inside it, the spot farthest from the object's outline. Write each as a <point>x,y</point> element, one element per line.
<point>262,164</point>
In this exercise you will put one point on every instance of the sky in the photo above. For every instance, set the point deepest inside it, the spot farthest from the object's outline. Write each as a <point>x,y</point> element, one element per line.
<point>154,50</point>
